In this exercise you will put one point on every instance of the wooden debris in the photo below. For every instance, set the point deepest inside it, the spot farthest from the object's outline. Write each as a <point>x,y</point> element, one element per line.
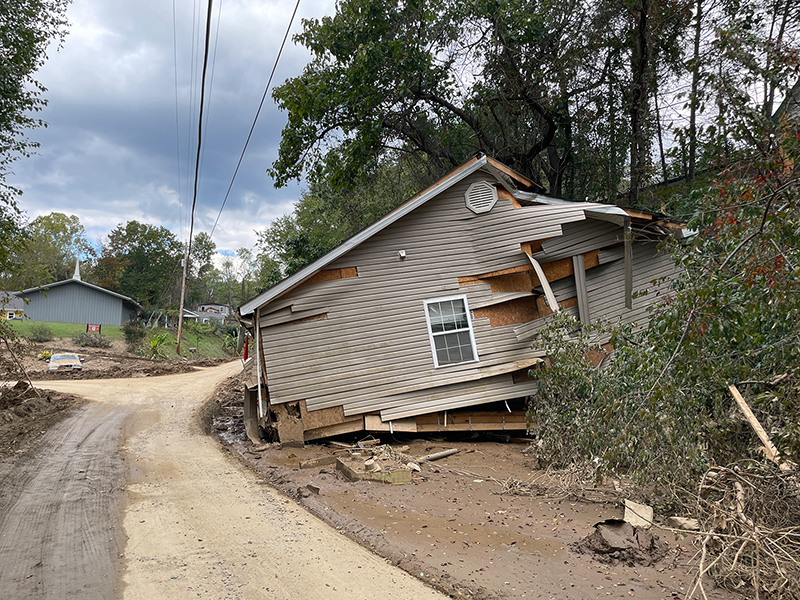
<point>438,455</point>
<point>638,515</point>
<point>683,523</point>
<point>369,443</point>
<point>770,451</point>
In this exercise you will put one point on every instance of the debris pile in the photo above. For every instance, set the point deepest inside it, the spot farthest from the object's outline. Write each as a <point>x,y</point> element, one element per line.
<point>615,540</point>
<point>750,517</point>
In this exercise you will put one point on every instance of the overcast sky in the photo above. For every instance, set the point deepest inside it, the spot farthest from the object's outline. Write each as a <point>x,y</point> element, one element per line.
<point>115,150</point>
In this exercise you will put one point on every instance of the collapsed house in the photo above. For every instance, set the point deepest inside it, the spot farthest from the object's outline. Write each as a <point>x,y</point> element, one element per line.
<point>426,321</point>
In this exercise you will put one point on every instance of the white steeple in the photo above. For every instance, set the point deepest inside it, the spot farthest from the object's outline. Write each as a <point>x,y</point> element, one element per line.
<point>77,274</point>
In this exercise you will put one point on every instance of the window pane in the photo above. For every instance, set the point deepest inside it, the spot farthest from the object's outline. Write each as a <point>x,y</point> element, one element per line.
<point>447,316</point>
<point>453,348</point>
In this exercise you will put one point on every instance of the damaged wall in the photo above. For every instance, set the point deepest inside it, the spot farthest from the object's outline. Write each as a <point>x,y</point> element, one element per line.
<point>355,336</point>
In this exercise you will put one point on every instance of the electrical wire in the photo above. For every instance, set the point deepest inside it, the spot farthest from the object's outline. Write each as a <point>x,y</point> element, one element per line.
<point>196,167</point>
<point>255,120</point>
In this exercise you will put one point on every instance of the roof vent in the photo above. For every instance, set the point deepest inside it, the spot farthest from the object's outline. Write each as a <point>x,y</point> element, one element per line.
<point>481,196</point>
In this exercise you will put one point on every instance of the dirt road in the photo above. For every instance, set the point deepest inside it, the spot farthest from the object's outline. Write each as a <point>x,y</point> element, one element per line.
<point>128,499</point>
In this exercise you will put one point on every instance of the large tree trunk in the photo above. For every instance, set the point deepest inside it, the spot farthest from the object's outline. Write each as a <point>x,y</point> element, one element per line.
<point>694,101</point>
<point>640,67</point>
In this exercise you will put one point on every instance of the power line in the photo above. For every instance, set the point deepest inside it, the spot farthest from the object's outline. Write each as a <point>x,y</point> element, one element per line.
<point>255,120</point>
<point>196,169</point>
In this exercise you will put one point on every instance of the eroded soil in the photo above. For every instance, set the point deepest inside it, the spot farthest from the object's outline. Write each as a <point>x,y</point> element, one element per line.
<point>457,526</point>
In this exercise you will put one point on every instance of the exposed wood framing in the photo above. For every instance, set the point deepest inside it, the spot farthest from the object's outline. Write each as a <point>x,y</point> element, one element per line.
<point>628,265</point>
<point>325,417</point>
<point>513,312</point>
<point>443,421</point>
<point>331,275</point>
<point>318,317</point>
<point>350,426</point>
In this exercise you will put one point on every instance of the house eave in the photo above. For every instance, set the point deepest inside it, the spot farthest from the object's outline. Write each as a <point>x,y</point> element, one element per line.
<point>294,280</point>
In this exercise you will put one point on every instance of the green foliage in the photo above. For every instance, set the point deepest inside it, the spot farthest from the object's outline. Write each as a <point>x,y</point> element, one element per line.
<point>27,28</point>
<point>91,340</point>
<point>661,410</point>
<point>39,332</point>
<point>63,330</point>
<point>53,243</point>
<point>158,343</point>
<point>141,261</point>
<point>44,355</point>
<point>134,334</point>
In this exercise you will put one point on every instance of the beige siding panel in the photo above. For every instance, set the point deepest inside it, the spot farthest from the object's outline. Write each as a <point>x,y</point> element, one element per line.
<point>528,331</point>
<point>608,255</point>
<point>359,391</point>
<point>579,238</point>
<point>493,389</point>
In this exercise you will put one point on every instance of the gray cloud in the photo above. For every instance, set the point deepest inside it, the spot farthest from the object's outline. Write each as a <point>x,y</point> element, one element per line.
<point>113,151</point>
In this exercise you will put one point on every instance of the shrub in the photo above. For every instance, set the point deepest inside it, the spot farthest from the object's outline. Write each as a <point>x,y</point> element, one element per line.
<point>157,344</point>
<point>40,333</point>
<point>91,340</point>
<point>134,336</point>
<point>44,355</point>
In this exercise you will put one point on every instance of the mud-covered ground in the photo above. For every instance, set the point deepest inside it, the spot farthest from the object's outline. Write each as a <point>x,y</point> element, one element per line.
<point>107,363</point>
<point>482,523</point>
<point>26,413</point>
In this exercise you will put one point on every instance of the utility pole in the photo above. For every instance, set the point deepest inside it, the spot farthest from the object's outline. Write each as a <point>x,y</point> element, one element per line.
<point>196,174</point>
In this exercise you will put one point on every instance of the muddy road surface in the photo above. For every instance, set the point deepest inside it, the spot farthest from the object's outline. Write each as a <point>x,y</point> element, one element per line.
<point>128,498</point>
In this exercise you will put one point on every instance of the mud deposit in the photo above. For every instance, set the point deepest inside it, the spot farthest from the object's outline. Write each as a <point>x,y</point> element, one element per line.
<point>456,527</point>
<point>26,413</point>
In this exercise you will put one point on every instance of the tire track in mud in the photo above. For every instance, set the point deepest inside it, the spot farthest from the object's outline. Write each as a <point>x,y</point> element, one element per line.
<point>60,507</point>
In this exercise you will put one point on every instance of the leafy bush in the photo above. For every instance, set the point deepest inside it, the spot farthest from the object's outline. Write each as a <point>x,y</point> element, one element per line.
<point>91,340</point>
<point>40,333</point>
<point>44,355</point>
<point>157,349</point>
<point>134,336</point>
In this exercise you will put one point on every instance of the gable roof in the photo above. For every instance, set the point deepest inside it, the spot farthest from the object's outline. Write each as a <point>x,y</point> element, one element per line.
<point>504,175</point>
<point>83,283</point>
<point>507,177</point>
<point>10,301</point>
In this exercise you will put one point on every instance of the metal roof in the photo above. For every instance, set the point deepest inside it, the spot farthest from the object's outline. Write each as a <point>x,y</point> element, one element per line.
<point>83,283</point>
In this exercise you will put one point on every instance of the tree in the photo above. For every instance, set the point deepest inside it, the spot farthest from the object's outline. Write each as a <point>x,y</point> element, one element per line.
<point>502,77</point>
<point>26,29</point>
<point>54,242</point>
<point>141,261</point>
<point>201,275</point>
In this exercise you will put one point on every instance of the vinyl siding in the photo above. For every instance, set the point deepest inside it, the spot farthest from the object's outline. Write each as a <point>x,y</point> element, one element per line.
<point>372,350</point>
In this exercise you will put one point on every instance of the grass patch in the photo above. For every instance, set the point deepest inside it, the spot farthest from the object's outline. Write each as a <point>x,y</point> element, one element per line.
<point>65,330</point>
<point>207,344</point>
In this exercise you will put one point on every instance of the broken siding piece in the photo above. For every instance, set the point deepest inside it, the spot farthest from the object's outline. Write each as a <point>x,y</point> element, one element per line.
<point>460,395</point>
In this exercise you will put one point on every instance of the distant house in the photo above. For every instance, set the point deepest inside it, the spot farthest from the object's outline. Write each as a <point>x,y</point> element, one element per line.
<point>427,321</point>
<point>75,301</point>
<point>11,305</point>
<point>203,316</point>
<point>213,307</point>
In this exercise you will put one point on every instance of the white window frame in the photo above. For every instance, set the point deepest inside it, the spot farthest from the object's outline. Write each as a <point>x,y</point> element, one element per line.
<point>432,335</point>
<point>10,314</point>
